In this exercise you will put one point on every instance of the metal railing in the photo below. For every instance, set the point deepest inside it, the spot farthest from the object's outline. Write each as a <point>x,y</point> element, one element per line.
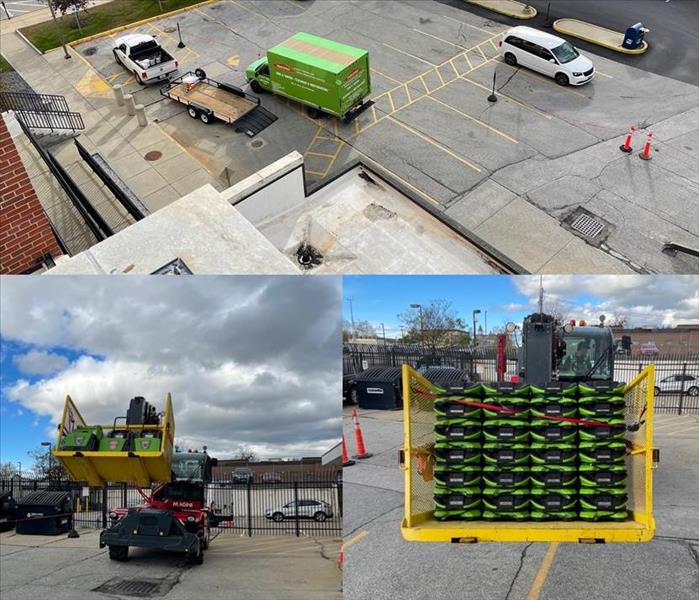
<point>42,111</point>
<point>676,375</point>
<point>297,504</point>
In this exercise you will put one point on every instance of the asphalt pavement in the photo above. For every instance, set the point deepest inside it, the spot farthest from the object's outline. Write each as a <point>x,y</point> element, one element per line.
<point>673,24</point>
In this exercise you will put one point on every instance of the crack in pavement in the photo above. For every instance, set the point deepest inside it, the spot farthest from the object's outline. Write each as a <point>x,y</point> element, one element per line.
<point>522,556</point>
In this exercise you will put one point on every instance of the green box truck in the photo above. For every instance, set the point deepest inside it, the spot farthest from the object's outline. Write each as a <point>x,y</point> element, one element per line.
<point>326,76</point>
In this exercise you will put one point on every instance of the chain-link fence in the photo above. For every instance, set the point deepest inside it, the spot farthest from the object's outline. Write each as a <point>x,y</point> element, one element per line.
<point>676,375</point>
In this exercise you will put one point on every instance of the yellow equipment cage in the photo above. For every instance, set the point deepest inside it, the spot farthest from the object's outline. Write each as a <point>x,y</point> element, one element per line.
<point>99,467</point>
<point>418,461</point>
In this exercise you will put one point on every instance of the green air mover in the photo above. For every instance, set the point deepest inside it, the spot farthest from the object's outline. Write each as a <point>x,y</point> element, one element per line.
<point>603,504</point>
<point>457,503</point>
<point>614,429</point>
<point>82,439</point>
<point>457,430</point>
<point>593,476</point>
<point>460,453</point>
<point>602,453</point>
<point>117,441</point>
<point>505,430</point>
<point>496,476</point>
<point>489,390</point>
<point>544,430</point>
<point>451,408</point>
<point>553,476</point>
<point>553,406</point>
<point>602,406</point>
<point>148,442</point>
<point>457,475</point>
<point>554,504</point>
<point>505,503</point>
<point>553,454</point>
<point>518,406</point>
<point>505,454</point>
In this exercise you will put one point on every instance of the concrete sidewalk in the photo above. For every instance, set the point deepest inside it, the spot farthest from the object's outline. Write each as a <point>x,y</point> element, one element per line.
<point>109,131</point>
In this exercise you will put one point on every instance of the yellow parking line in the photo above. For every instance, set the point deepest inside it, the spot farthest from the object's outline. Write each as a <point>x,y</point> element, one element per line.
<point>481,51</point>
<point>390,99</point>
<point>481,123</point>
<point>531,108</point>
<point>356,124</point>
<point>468,60</point>
<point>453,67</point>
<point>440,76</point>
<point>354,540</point>
<point>435,144</point>
<point>386,76</point>
<point>492,43</point>
<point>542,573</point>
<point>440,39</point>
<point>427,62</point>
<point>323,154</point>
<point>309,172</point>
<point>423,83</point>
<point>407,91</point>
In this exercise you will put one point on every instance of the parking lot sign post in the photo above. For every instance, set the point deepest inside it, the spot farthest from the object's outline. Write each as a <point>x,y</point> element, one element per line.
<point>492,98</point>
<point>179,33</point>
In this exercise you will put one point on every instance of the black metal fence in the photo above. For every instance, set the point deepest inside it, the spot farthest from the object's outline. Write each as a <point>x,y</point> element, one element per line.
<point>42,111</point>
<point>303,504</point>
<point>676,375</point>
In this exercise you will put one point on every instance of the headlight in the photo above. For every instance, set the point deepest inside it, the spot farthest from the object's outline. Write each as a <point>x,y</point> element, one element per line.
<point>112,515</point>
<point>577,74</point>
<point>191,519</point>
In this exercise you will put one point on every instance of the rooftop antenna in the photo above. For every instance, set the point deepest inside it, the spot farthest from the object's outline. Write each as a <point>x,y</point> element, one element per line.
<point>541,294</point>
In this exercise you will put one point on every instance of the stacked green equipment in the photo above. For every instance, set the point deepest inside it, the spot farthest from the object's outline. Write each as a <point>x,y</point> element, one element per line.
<point>554,477</point>
<point>458,456</point>
<point>506,452</point>
<point>82,439</point>
<point>602,452</point>
<point>325,75</point>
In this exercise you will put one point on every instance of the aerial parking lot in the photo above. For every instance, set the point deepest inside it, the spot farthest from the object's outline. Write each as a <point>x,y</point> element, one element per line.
<point>523,173</point>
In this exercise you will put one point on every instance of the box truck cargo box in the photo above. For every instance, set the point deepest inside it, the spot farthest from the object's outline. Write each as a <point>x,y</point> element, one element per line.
<point>326,76</point>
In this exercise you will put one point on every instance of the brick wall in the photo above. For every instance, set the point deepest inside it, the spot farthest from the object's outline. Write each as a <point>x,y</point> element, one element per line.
<point>25,231</point>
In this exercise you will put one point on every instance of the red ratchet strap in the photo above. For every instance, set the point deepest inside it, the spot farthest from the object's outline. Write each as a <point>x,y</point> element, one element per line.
<point>512,411</point>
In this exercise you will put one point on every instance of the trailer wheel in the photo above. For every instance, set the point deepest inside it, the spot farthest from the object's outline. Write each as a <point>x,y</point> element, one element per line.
<point>313,112</point>
<point>120,553</point>
<point>256,87</point>
<point>200,73</point>
<point>192,112</point>
<point>206,117</point>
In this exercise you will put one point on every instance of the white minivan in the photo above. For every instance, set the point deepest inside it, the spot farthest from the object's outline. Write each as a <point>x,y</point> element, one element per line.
<point>547,54</point>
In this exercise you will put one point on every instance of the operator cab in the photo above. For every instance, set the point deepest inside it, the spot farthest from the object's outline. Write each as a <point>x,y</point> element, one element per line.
<point>586,354</point>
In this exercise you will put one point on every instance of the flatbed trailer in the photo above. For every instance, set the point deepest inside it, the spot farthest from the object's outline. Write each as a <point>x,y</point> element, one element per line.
<point>209,100</point>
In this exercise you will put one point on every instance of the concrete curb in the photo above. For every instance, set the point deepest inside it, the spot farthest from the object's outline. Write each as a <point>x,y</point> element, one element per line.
<point>563,26</point>
<point>32,46</point>
<point>517,10</point>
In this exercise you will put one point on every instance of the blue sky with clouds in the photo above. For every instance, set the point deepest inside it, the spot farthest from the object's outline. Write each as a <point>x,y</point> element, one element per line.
<point>642,300</point>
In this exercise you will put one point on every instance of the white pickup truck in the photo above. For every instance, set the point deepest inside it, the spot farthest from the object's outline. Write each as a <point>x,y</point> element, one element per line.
<point>144,57</point>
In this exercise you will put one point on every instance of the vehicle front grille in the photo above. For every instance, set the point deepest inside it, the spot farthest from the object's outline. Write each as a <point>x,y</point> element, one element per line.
<point>587,73</point>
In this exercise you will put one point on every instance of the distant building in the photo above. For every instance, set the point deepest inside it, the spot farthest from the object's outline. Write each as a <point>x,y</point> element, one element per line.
<point>682,339</point>
<point>307,467</point>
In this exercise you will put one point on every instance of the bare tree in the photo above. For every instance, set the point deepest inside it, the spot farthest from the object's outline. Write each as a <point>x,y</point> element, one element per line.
<point>362,329</point>
<point>434,324</point>
<point>245,453</point>
<point>620,319</point>
<point>44,465</point>
<point>557,309</point>
<point>8,470</point>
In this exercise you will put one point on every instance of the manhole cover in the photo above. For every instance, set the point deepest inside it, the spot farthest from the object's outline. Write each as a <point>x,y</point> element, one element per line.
<point>153,155</point>
<point>170,29</point>
<point>587,225</point>
<point>256,144</point>
<point>140,588</point>
<point>90,51</point>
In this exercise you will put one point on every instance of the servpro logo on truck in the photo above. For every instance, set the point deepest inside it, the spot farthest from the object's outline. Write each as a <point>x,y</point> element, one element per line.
<point>283,67</point>
<point>352,74</point>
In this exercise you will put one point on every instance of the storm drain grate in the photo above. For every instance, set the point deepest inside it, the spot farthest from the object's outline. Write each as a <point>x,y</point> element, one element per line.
<point>139,588</point>
<point>587,225</point>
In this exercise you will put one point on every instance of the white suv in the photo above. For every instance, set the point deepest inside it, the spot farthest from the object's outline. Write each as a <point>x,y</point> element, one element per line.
<point>306,509</point>
<point>547,54</point>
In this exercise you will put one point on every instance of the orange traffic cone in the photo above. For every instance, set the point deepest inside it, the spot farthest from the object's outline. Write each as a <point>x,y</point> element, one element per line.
<point>358,438</point>
<point>341,559</point>
<point>346,462</point>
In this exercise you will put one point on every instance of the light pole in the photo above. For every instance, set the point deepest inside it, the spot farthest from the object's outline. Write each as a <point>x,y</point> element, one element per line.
<point>48,453</point>
<point>477,311</point>
<point>60,32</point>
<point>350,300</point>
<point>422,323</point>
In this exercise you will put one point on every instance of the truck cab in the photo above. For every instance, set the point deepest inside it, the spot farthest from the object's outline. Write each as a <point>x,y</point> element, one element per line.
<point>257,75</point>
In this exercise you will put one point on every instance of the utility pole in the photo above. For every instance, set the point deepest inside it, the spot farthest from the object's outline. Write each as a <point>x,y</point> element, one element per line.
<point>350,300</point>
<point>486,322</point>
<point>383,329</point>
<point>475,312</point>
<point>541,294</point>
<point>422,324</point>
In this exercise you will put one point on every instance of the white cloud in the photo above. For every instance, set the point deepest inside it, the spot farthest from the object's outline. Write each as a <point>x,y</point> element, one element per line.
<point>38,362</point>
<point>645,300</point>
<point>250,361</point>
